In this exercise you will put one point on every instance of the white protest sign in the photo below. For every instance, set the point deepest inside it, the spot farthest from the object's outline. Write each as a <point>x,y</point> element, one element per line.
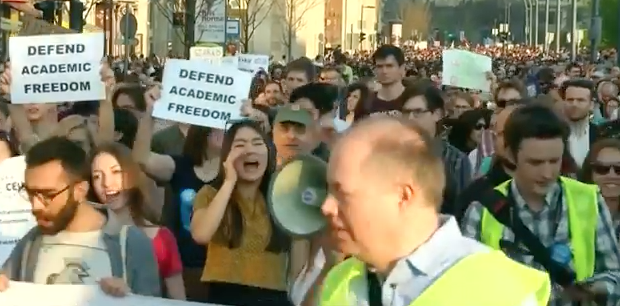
<point>253,62</point>
<point>230,60</point>
<point>212,55</point>
<point>21,294</point>
<point>15,210</point>
<point>199,93</point>
<point>56,68</point>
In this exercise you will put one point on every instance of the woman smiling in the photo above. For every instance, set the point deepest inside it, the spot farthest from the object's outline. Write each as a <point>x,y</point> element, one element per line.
<point>246,254</point>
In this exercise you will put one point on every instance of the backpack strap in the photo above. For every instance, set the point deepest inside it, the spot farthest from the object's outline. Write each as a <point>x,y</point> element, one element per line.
<point>123,243</point>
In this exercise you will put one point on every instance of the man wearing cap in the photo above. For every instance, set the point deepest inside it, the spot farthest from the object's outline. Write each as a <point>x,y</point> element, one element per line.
<point>292,132</point>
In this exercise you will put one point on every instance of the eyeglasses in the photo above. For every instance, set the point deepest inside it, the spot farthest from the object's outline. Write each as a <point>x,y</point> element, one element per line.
<point>602,169</point>
<point>46,199</point>
<point>481,126</point>
<point>503,103</point>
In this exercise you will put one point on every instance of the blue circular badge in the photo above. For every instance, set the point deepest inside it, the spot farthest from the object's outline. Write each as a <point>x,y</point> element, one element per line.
<point>561,253</point>
<point>186,206</point>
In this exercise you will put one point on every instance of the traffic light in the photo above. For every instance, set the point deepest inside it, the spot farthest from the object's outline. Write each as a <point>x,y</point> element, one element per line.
<point>362,37</point>
<point>76,19</point>
<point>48,9</point>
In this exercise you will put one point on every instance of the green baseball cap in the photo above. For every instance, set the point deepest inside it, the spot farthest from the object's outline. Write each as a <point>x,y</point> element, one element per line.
<point>293,113</point>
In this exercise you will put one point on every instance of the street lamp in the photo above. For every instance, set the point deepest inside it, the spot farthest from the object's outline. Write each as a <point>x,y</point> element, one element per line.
<point>528,24</point>
<point>362,33</point>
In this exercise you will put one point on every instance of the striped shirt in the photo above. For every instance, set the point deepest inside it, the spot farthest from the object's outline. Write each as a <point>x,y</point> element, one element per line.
<point>458,175</point>
<point>544,226</point>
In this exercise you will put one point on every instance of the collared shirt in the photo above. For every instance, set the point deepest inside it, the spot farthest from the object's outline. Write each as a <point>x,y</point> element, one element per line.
<point>579,144</point>
<point>543,224</point>
<point>416,272</point>
<point>458,175</point>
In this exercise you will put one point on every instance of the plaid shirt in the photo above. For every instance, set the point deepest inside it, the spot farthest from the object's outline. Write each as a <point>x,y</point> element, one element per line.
<point>458,175</point>
<point>542,224</point>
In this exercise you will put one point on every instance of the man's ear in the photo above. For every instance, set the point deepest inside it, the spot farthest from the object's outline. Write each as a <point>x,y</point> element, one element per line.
<point>80,190</point>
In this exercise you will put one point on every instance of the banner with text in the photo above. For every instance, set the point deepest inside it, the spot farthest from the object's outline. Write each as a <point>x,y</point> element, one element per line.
<point>199,93</point>
<point>56,68</point>
<point>15,212</point>
<point>22,294</point>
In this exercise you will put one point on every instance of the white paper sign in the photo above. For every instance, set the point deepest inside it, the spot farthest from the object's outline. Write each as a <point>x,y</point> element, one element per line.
<point>212,55</point>
<point>253,62</point>
<point>199,93</point>
<point>22,294</point>
<point>56,68</point>
<point>15,210</point>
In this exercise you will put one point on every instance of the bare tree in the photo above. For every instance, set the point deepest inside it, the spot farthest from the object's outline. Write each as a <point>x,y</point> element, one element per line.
<point>176,13</point>
<point>293,13</point>
<point>252,13</point>
<point>416,18</point>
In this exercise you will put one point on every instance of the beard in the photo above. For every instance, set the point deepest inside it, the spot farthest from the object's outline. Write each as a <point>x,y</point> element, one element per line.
<point>52,225</point>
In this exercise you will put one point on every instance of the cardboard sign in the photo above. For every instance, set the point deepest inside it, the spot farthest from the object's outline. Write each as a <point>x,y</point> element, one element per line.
<point>200,93</point>
<point>56,68</point>
<point>15,211</point>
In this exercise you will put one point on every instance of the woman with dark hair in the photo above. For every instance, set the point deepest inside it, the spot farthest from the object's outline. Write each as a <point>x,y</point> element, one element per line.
<point>247,253</point>
<point>602,167</point>
<point>466,131</point>
<point>186,174</point>
<point>120,185</point>
<point>125,127</point>
<point>356,93</point>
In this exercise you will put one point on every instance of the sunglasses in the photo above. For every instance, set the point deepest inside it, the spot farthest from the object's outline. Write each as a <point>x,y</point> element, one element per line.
<point>602,169</point>
<point>481,126</point>
<point>504,103</point>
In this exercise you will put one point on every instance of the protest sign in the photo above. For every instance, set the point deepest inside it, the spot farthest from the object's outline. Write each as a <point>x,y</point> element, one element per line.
<point>199,93</point>
<point>211,55</point>
<point>253,62</point>
<point>21,294</point>
<point>15,210</point>
<point>465,69</point>
<point>56,68</point>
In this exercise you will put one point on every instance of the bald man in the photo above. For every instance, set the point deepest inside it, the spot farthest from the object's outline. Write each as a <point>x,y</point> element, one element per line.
<point>386,184</point>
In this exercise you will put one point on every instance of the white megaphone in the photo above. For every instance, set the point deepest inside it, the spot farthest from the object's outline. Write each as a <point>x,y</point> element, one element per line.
<point>296,193</point>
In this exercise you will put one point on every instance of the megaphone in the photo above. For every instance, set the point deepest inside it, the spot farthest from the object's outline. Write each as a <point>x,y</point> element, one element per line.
<point>296,193</point>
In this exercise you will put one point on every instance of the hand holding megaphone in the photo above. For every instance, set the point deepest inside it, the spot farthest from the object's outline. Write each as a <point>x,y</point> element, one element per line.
<point>229,165</point>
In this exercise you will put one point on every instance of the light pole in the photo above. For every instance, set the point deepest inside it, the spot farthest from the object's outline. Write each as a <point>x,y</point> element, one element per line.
<point>536,23</point>
<point>527,21</point>
<point>362,27</point>
<point>573,30</point>
<point>595,31</point>
<point>558,25</point>
<point>546,45</point>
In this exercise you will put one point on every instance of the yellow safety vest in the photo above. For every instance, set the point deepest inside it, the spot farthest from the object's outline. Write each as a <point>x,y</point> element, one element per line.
<point>582,204</point>
<point>500,281</point>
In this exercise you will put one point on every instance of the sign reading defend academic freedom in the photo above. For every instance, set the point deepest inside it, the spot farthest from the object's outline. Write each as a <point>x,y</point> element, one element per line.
<point>199,93</point>
<point>56,68</point>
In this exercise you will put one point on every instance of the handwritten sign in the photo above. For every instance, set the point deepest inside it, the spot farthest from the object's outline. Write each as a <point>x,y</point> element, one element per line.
<point>15,212</point>
<point>56,68</point>
<point>20,294</point>
<point>253,62</point>
<point>209,54</point>
<point>465,69</point>
<point>199,93</point>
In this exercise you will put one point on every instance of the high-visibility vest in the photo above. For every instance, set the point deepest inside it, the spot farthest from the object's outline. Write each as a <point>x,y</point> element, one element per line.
<point>582,205</point>
<point>500,281</point>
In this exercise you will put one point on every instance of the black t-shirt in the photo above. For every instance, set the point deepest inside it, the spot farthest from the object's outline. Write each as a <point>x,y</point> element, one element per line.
<point>477,188</point>
<point>185,185</point>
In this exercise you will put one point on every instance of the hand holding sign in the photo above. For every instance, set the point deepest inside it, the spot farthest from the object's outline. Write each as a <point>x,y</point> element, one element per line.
<point>151,96</point>
<point>108,79</point>
<point>5,80</point>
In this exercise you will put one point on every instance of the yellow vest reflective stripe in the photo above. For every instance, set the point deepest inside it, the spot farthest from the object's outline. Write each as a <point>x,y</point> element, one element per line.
<point>582,205</point>
<point>500,281</point>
